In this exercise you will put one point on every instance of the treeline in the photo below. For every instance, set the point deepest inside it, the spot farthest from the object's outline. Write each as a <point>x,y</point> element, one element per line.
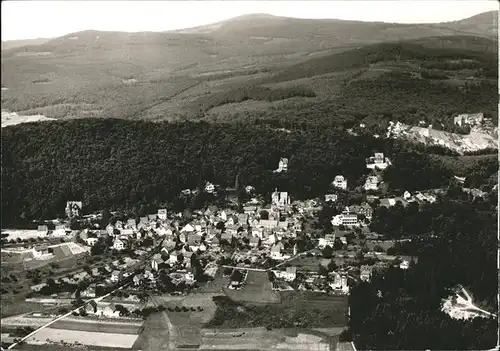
<point>124,165</point>
<point>400,310</point>
<point>259,93</point>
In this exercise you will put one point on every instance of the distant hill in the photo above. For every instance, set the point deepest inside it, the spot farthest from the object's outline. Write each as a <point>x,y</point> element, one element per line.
<point>10,44</point>
<point>198,72</point>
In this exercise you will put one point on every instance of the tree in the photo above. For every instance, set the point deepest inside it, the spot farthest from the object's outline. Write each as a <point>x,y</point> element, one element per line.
<point>327,252</point>
<point>264,215</point>
<point>322,270</point>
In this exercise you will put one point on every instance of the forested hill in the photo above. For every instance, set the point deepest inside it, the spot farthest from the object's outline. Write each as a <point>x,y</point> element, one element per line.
<point>123,164</point>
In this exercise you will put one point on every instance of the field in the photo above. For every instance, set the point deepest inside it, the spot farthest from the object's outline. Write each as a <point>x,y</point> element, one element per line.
<point>51,335</point>
<point>262,339</point>
<point>306,310</point>
<point>257,289</point>
<point>98,326</point>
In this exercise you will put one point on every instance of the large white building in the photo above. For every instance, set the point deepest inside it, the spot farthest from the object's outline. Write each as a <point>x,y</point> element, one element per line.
<point>73,209</point>
<point>289,274</point>
<point>378,161</point>
<point>340,182</point>
<point>371,183</point>
<point>280,199</point>
<point>345,218</point>
<point>162,214</point>
<point>469,119</point>
<point>328,240</point>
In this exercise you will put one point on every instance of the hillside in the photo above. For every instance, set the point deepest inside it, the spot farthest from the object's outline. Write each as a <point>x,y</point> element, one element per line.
<point>11,44</point>
<point>135,163</point>
<point>252,65</point>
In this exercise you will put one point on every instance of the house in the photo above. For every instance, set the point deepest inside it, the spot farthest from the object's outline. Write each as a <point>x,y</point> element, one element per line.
<point>366,273</point>
<point>156,261</point>
<point>468,119</point>
<point>343,240</point>
<point>227,237</point>
<point>407,195</point>
<point>168,244</point>
<point>173,257</point>
<point>268,223</point>
<point>162,214</point>
<point>73,209</point>
<point>186,192</point>
<point>340,182</point>
<point>371,183</point>
<point>110,229</point>
<point>232,220</point>
<point>209,188</point>
<point>254,241</point>
<point>131,224</point>
<point>282,165</point>
<point>119,225</point>
<point>249,189</point>
<point>276,251</point>
<point>60,230</point>
<point>127,232</point>
<point>378,161</point>
<point>115,276</point>
<point>194,242</point>
<point>188,228</point>
<point>290,274</point>
<point>345,218</point>
<point>328,240</point>
<point>42,230</point>
<point>339,282</point>
<point>283,225</point>
<point>118,244</point>
<point>91,241</point>
<point>243,218</point>
<point>88,293</point>
<point>214,242</point>
<point>249,209</point>
<point>331,197</point>
<point>137,279</point>
<point>187,259</point>
<point>110,311</point>
<point>91,308</point>
<point>405,264</point>
<point>363,209</point>
<point>280,199</point>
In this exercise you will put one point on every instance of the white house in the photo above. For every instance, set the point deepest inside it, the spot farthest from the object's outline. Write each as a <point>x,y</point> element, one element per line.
<point>289,274</point>
<point>209,188</point>
<point>91,241</point>
<point>340,182</point>
<point>378,161</point>
<point>188,228</point>
<point>331,197</point>
<point>249,189</point>
<point>118,244</point>
<point>347,219</point>
<point>172,258</point>
<point>405,264</point>
<point>60,230</point>
<point>328,240</point>
<point>282,165</point>
<point>469,119</point>
<point>407,195</point>
<point>339,282</point>
<point>276,251</point>
<point>371,183</point>
<point>162,214</point>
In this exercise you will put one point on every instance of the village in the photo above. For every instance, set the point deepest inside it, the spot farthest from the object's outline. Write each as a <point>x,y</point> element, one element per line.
<point>113,268</point>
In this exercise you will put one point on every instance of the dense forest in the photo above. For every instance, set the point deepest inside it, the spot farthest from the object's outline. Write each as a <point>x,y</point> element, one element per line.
<point>400,310</point>
<point>120,164</point>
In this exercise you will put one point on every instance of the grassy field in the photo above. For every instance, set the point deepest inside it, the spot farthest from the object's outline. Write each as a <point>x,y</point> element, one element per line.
<point>262,339</point>
<point>96,326</point>
<point>257,289</point>
<point>116,340</point>
<point>295,310</point>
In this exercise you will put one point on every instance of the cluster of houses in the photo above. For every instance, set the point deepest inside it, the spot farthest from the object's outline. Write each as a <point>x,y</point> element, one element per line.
<point>468,119</point>
<point>353,216</point>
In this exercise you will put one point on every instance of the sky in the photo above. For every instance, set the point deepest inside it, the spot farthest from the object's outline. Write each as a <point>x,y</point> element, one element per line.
<point>49,19</point>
